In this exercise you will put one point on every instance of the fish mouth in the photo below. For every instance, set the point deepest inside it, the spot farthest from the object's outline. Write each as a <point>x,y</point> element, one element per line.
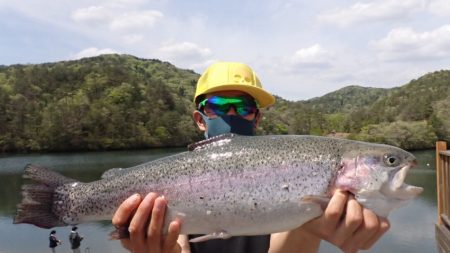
<point>399,188</point>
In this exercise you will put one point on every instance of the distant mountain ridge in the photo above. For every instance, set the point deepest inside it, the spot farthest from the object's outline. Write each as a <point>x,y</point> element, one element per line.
<point>123,102</point>
<point>348,99</point>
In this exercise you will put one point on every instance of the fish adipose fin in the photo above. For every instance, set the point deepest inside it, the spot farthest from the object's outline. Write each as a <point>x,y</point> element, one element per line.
<point>215,235</point>
<point>218,140</point>
<point>37,199</point>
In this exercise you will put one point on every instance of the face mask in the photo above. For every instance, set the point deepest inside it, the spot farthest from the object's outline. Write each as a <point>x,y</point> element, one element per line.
<point>228,124</point>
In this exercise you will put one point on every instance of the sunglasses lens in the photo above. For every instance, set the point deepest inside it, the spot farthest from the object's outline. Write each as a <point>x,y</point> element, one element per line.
<point>216,109</point>
<point>221,105</point>
<point>246,110</point>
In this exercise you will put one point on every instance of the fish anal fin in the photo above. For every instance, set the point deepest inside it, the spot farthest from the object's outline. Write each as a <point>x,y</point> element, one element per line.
<point>119,233</point>
<point>215,235</point>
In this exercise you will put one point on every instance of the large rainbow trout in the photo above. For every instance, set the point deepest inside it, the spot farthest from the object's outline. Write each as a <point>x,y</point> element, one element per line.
<point>232,185</point>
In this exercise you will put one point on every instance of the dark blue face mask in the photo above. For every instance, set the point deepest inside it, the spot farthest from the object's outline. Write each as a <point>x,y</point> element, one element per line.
<point>228,124</point>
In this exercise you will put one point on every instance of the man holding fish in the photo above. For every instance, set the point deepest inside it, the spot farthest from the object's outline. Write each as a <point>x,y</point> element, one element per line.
<point>269,193</point>
<point>228,99</point>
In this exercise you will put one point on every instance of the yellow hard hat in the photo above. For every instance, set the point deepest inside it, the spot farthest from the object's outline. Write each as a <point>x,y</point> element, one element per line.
<point>222,76</point>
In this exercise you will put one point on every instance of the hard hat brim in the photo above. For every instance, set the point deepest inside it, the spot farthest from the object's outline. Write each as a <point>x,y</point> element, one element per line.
<point>263,98</point>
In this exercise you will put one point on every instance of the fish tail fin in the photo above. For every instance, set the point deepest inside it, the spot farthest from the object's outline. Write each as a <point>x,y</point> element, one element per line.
<point>37,199</point>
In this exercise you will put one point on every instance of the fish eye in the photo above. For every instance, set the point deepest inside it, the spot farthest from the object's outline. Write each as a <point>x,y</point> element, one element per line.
<point>391,160</point>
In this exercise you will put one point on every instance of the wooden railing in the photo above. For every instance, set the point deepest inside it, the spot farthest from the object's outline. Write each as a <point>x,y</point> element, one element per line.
<point>443,197</point>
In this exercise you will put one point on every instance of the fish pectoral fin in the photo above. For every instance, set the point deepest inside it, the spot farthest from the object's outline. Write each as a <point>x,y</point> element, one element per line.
<point>215,235</point>
<point>321,200</point>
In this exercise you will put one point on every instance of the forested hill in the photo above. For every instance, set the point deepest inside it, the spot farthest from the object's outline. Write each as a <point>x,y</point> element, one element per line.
<point>412,116</point>
<point>348,99</point>
<point>104,102</point>
<point>123,102</point>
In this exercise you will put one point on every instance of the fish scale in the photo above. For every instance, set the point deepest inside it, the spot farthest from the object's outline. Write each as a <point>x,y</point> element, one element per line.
<point>231,185</point>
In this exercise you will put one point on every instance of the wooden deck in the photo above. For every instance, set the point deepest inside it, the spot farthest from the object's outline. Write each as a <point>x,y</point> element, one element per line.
<point>443,197</point>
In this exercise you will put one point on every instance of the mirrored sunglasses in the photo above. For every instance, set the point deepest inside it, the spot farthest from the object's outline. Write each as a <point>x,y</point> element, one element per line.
<point>217,105</point>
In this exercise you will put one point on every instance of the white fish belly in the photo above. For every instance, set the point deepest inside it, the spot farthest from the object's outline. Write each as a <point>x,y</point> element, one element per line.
<point>283,218</point>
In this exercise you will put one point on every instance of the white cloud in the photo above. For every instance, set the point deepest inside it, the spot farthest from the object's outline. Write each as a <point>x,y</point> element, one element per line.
<point>127,2</point>
<point>191,35</point>
<point>92,14</point>
<point>93,51</point>
<point>135,20</point>
<point>314,56</point>
<point>407,44</point>
<point>440,7</point>
<point>116,18</point>
<point>372,11</point>
<point>133,38</point>
<point>185,51</point>
<point>201,66</point>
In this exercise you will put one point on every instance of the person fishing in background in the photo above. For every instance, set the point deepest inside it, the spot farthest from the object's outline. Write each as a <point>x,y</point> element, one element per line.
<point>53,241</point>
<point>75,240</point>
<point>229,98</point>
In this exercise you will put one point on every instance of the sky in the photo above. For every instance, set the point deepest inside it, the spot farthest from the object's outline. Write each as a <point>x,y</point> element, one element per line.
<point>299,49</point>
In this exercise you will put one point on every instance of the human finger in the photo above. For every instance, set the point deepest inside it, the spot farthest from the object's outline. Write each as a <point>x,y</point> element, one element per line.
<point>183,241</point>
<point>154,230</point>
<point>141,219</point>
<point>384,226</point>
<point>126,243</point>
<point>366,231</point>
<point>125,211</point>
<point>352,220</point>
<point>333,213</point>
<point>171,240</point>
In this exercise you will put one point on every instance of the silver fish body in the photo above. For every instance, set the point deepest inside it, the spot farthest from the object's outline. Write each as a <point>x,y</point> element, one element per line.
<point>233,185</point>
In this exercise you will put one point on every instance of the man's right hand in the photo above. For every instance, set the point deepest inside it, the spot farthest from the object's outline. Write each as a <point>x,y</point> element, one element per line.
<point>347,224</point>
<point>145,220</point>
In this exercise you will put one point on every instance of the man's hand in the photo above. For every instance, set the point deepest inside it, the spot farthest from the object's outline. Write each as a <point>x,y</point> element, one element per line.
<point>145,226</point>
<point>347,224</point>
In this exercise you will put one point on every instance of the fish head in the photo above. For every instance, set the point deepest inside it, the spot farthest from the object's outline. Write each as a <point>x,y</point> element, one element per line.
<point>375,174</point>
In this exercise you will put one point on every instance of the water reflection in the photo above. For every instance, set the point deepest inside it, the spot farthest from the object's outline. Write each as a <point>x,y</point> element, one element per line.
<point>412,227</point>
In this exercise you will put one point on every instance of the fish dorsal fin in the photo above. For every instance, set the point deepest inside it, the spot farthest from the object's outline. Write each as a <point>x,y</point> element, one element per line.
<point>216,140</point>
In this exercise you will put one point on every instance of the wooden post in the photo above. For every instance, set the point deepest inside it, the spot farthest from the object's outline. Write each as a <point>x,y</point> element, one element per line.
<point>446,166</point>
<point>440,146</point>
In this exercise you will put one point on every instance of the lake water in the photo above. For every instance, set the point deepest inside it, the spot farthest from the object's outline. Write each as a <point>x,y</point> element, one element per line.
<point>412,227</point>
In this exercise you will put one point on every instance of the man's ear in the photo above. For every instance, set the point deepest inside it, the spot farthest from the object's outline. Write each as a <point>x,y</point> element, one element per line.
<point>198,119</point>
<point>258,118</point>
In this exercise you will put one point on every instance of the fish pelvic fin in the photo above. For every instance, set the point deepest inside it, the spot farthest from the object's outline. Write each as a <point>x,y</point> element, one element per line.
<point>119,233</point>
<point>37,198</point>
<point>215,235</point>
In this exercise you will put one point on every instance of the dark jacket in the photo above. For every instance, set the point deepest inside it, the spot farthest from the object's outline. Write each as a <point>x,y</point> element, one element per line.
<point>53,241</point>
<point>236,244</point>
<point>75,240</point>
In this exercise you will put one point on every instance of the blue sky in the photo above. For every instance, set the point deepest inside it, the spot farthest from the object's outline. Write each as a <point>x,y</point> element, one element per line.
<point>300,49</point>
